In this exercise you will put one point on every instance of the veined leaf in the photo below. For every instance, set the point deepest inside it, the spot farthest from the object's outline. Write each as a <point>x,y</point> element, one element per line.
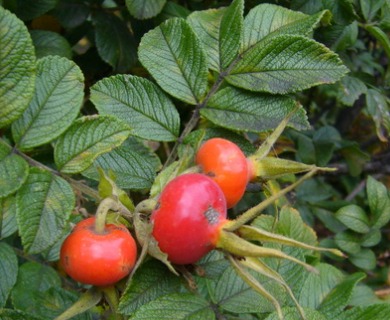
<point>8,217</point>
<point>206,24</point>
<point>114,42</point>
<point>50,43</point>
<point>30,9</point>
<point>291,313</point>
<point>8,267</point>
<point>152,281</point>
<point>378,311</point>
<point>140,103</point>
<point>220,31</point>
<point>17,67</point>
<point>13,171</point>
<point>176,306</point>
<point>86,139</point>
<point>141,9</point>
<point>315,287</point>
<point>44,204</point>
<point>245,111</point>
<point>270,20</point>
<point>379,202</point>
<point>174,56</point>
<point>378,108</point>
<point>285,64</point>
<point>38,291</point>
<point>133,165</point>
<point>59,92</point>
<point>335,302</point>
<point>230,35</point>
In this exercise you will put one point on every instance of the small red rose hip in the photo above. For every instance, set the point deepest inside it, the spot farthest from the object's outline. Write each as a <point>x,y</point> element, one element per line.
<point>190,212</point>
<point>98,259</point>
<point>227,165</point>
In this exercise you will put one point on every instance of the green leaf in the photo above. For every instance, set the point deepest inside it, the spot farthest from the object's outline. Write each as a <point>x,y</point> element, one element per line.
<point>372,238</point>
<point>365,259</point>
<point>56,103</point>
<point>8,267</point>
<point>38,291</point>
<point>292,314</point>
<point>86,139</point>
<point>381,36</point>
<point>176,306</point>
<point>335,302</point>
<point>33,278</point>
<point>285,64</point>
<point>353,217</point>
<point>8,217</point>
<point>133,165</point>
<point>17,65</point>
<point>71,14</point>
<point>270,20</point>
<point>206,24</point>
<point>232,294</point>
<point>163,178</point>
<point>231,33</point>
<point>50,43</point>
<point>30,9</point>
<point>11,314</point>
<point>316,287</point>
<point>376,311</point>
<point>379,202</point>
<point>44,204</point>
<point>245,111</point>
<point>289,224</point>
<point>140,103</point>
<point>378,108</point>
<point>348,241</point>
<point>352,88</point>
<point>114,41</point>
<point>174,56</point>
<point>363,295</point>
<point>152,281</point>
<point>370,8</point>
<point>141,9</point>
<point>13,171</point>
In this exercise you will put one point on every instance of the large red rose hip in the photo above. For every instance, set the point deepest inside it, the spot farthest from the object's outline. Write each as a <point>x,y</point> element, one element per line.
<point>98,259</point>
<point>190,212</point>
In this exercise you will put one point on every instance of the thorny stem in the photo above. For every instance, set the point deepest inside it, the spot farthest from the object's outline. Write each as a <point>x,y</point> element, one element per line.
<point>253,212</point>
<point>191,124</point>
<point>74,183</point>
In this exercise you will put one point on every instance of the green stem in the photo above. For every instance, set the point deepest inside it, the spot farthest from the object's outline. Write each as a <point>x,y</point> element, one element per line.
<point>112,298</point>
<point>74,183</point>
<point>254,212</point>
<point>101,213</point>
<point>191,124</point>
